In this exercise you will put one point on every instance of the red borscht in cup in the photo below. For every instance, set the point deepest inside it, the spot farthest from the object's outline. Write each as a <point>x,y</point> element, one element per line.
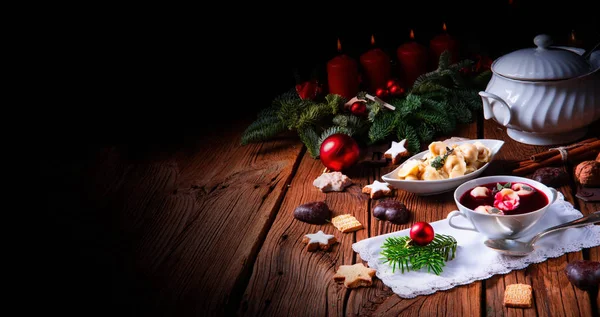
<point>504,198</point>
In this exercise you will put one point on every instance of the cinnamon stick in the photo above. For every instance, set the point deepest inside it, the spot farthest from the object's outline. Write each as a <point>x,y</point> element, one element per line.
<point>550,153</point>
<point>572,154</point>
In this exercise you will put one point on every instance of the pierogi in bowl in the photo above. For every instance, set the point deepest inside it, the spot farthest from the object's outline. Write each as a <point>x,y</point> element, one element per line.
<point>444,166</point>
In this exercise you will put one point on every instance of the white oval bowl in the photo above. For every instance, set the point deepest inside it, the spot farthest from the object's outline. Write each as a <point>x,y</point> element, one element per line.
<point>423,188</point>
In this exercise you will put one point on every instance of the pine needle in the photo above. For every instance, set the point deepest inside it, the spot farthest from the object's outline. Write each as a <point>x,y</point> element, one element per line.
<point>401,254</point>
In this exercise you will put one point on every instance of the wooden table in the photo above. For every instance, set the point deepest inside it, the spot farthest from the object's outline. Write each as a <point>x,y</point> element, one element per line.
<point>208,230</point>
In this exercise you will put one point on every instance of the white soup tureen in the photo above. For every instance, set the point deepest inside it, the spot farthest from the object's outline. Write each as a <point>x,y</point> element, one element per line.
<point>545,95</point>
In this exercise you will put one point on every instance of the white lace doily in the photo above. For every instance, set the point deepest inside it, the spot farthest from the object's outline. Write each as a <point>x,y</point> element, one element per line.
<point>474,261</point>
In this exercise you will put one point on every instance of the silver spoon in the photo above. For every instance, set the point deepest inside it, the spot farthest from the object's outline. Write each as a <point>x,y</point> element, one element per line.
<point>514,247</point>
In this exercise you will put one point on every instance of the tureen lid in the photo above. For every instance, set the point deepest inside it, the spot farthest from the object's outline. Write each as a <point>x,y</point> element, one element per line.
<point>543,62</point>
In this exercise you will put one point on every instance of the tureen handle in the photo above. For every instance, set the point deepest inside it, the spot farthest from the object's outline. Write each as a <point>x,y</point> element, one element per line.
<point>542,41</point>
<point>487,107</point>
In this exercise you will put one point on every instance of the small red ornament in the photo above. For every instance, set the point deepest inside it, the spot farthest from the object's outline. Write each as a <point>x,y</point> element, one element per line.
<point>381,93</point>
<point>390,83</point>
<point>421,233</point>
<point>396,90</point>
<point>339,151</point>
<point>359,108</point>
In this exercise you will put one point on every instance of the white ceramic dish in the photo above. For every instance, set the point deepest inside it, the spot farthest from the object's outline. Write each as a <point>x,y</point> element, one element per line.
<point>545,95</point>
<point>424,188</point>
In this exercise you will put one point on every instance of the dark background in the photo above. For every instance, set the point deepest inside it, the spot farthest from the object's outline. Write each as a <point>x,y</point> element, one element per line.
<point>159,75</point>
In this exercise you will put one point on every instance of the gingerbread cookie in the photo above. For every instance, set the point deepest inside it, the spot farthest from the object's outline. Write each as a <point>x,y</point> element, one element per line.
<point>396,152</point>
<point>346,223</point>
<point>518,295</point>
<point>332,182</point>
<point>378,189</point>
<point>354,276</point>
<point>319,240</point>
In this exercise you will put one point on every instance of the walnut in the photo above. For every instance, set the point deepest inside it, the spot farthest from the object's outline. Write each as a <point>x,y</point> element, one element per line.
<point>587,173</point>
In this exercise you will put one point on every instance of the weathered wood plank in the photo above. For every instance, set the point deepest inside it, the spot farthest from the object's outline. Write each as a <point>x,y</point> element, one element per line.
<point>187,226</point>
<point>593,253</point>
<point>381,301</point>
<point>289,281</point>
<point>552,292</point>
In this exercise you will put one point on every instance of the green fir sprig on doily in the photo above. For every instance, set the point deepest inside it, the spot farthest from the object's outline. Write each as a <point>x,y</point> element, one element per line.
<point>400,253</point>
<point>437,102</point>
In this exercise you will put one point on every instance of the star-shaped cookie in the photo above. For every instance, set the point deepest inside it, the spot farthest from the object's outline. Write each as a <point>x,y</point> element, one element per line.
<point>396,152</point>
<point>319,240</point>
<point>354,276</point>
<point>377,189</point>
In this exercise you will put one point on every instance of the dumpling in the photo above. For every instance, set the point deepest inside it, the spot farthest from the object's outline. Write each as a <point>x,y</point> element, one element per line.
<point>470,168</point>
<point>431,174</point>
<point>483,152</point>
<point>454,166</point>
<point>469,152</point>
<point>410,168</point>
<point>437,148</point>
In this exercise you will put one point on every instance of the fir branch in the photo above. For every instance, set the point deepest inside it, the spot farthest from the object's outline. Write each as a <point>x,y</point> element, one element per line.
<point>429,77</point>
<point>482,79</point>
<point>411,104</point>
<point>262,130</point>
<point>311,115</point>
<point>382,126</point>
<point>290,111</point>
<point>442,122</point>
<point>425,132</point>
<point>335,102</point>
<point>349,121</point>
<point>309,137</point>
<point>401,254</point>
<point>461,64</point>
<point>289,96</point>
<point>413,145</point>
<point>428,86</point>
<point>439,106</point>
<point>373,109</point>
<point>461,111</point>
<point>444,60</point>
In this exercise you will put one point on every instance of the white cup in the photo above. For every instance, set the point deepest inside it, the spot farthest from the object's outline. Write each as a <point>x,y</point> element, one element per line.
<point>499,226</point>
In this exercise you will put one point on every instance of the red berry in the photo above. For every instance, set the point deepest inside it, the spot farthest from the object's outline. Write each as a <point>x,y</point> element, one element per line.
<point>421,233</point>
<point>390,83</point>
<point>380,92</point>
<point>396,90</point>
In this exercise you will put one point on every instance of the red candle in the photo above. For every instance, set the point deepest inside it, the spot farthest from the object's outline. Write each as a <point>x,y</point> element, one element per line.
<point>412,59</point>
<point>376,68</point>
<point>342,75</point>
<point>439,44</point>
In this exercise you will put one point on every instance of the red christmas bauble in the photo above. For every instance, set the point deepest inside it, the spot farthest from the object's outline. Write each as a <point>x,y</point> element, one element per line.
<point>359,108</point>
<point>339,151</point>
<point>421,233</point>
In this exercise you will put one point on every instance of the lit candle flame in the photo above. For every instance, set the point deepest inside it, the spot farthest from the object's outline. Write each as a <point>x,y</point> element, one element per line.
<point>372,39</point>
<point>339,45</point>
<point>412,34</point>
<point>444,27</point>
<point>573,35</point>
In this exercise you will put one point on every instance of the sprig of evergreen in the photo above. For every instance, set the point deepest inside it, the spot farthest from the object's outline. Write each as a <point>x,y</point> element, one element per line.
<point>437,102</point>
<point>401,254</point>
